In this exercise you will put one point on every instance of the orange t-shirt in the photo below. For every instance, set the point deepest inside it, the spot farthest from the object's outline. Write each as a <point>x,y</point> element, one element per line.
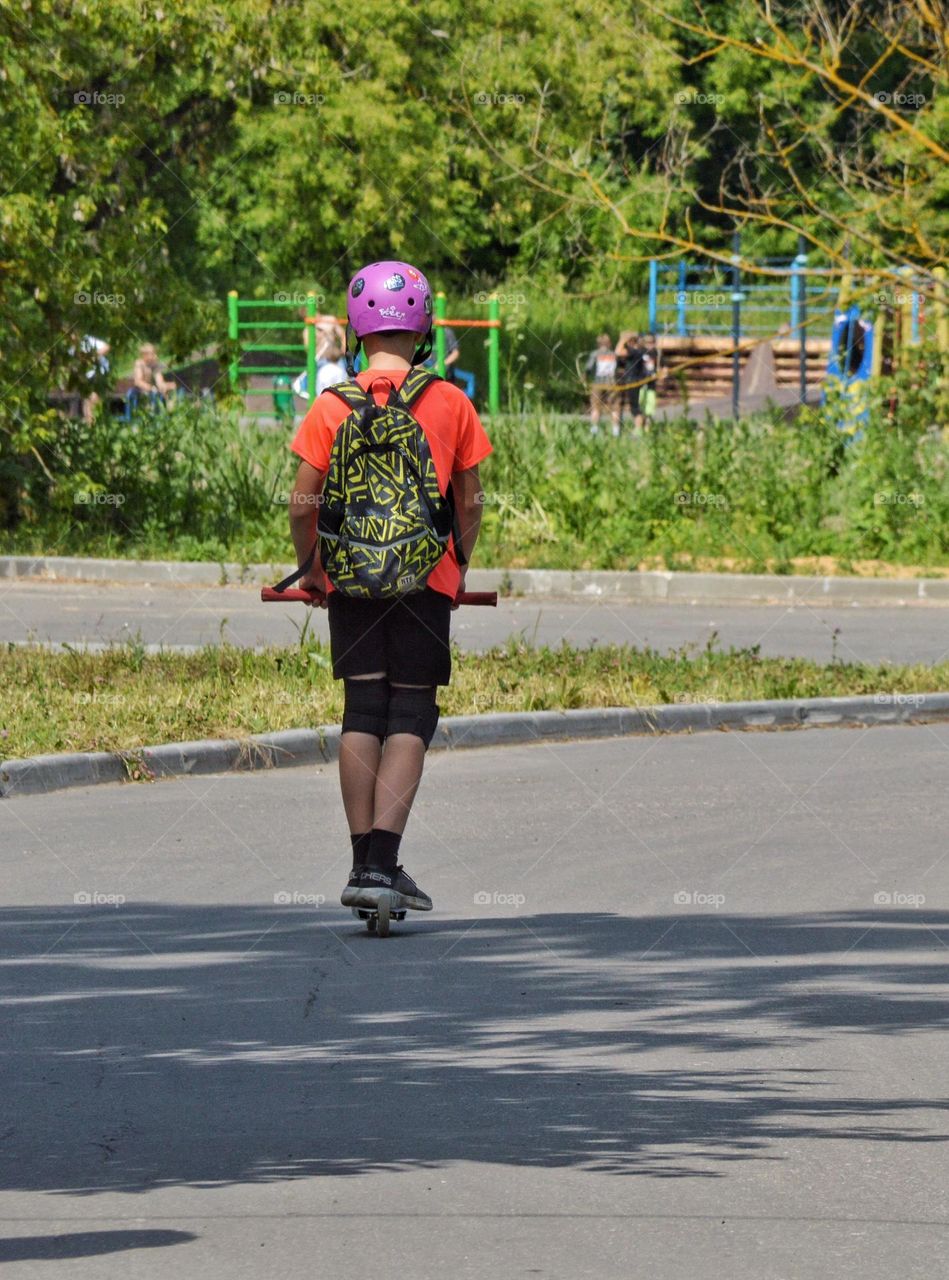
<point>448,420</point>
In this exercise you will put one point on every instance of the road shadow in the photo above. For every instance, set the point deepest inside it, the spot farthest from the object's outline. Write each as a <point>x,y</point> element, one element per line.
<point>86,1244</point>
<point>156,1045</point>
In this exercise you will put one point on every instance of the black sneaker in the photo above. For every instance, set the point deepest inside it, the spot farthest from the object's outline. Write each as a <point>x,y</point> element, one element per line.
<point>403,892</point>
<point>349,896</point>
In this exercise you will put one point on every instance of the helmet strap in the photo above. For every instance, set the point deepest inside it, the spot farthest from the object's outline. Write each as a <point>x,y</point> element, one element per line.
<point>350,355</point>
<point>424,349</point>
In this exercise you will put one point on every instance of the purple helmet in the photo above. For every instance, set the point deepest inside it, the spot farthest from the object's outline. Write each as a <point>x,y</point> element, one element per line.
<point>389,295</point>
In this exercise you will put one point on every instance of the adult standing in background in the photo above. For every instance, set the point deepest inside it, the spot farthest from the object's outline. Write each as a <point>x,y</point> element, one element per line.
<point>631,353</point>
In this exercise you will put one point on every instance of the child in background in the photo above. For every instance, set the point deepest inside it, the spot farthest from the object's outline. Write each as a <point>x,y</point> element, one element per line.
<point>651,373</point>
<point>601,368</point>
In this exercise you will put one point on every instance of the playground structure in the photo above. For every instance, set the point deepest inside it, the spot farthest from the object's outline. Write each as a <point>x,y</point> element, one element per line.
<point>785,334</point>
<point>730,335</point>
<point>710,319</point>
<point>272,379</point>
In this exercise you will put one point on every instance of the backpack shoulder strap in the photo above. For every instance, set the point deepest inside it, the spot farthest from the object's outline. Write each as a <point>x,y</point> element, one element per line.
<point>351,394</point>
<point>416,382</point>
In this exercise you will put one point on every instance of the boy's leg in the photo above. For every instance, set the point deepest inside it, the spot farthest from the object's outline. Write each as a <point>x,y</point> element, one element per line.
<point>413,715</point>
<point>418,660</point>
<point>400,771</point>
<point>357,643</point>
<point>365,717</point>
<point>360,748</point>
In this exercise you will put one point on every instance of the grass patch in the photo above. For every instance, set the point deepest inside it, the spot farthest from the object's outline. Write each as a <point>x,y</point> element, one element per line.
<point>758,495</point>
<point>124,698</point>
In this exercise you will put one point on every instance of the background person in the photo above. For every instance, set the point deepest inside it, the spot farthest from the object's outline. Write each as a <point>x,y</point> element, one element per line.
<point>651,374</point>
<point>460,377</point>
<point>330,344</point>
<point>630,353</point>
<point>94,352</point>
<point>147,378</point>
<point>601,369</point>
<point>452,352</point>
<point>330,369</point>
<point>330,335</point>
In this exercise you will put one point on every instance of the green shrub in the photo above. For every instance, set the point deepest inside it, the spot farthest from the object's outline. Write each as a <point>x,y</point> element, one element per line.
<point>200,483</point>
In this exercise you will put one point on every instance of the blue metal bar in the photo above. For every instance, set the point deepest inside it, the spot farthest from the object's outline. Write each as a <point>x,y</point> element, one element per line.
<point>800,279</point>
<point>736,319</point>
<point>683,277</point>
<point>653,290</point>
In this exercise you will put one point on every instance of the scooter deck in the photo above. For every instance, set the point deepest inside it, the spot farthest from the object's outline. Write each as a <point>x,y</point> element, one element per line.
<point>377,918</point>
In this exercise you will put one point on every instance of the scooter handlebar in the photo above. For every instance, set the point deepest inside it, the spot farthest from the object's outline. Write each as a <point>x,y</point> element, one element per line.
<point>270,595</point>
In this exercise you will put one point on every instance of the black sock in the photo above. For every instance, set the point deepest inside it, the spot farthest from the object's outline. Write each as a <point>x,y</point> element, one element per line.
<point>384,848</point>
<point>360,848</point>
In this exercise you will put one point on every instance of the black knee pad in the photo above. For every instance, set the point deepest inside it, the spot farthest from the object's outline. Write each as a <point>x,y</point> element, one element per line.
<point>366,709</point>
<point>413,711</point>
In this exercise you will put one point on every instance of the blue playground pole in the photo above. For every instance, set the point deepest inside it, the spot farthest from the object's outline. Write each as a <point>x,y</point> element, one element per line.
<point>799,314</point>
<point>653,292</point>
<point>680,298</point>
<point>914,326</point>
<point>736,320</point>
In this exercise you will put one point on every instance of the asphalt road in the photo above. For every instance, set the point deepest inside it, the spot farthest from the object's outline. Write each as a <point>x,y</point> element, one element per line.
<point>677,1014</point>
<point>92,614</point>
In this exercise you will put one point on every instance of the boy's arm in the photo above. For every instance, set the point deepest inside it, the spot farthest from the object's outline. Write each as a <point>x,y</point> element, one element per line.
<point>469,503</point>
<point>304,506</point>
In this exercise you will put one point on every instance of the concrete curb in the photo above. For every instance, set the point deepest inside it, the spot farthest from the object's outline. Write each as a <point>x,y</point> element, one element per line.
<point>293,747</point>
<point>647,588</point>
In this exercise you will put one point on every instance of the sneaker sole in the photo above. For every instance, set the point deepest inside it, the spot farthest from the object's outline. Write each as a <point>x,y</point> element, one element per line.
<point>369,898</point>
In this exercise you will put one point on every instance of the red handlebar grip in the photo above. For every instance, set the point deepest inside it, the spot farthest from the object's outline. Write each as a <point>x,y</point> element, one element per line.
<point>270,596</point>
<point>477,597</point>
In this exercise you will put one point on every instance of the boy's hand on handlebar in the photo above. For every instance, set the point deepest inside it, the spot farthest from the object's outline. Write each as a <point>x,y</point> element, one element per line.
<point>315,580</point>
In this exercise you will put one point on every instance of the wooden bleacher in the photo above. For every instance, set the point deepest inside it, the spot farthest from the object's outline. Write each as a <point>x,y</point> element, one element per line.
<point>705,365</point>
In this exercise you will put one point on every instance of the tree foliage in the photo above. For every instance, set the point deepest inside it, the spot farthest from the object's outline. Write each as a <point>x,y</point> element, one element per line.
<point>153,157</point>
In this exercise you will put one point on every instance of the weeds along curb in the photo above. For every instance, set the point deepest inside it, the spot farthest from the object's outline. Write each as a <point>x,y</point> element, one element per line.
<point>653,587</point>
<point>294,747</point>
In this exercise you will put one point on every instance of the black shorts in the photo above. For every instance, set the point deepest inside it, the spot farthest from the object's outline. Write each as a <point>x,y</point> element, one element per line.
<point>407,638</point>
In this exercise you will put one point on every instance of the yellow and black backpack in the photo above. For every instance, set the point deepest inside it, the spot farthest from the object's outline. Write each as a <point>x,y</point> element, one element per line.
<point>383,523</point>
